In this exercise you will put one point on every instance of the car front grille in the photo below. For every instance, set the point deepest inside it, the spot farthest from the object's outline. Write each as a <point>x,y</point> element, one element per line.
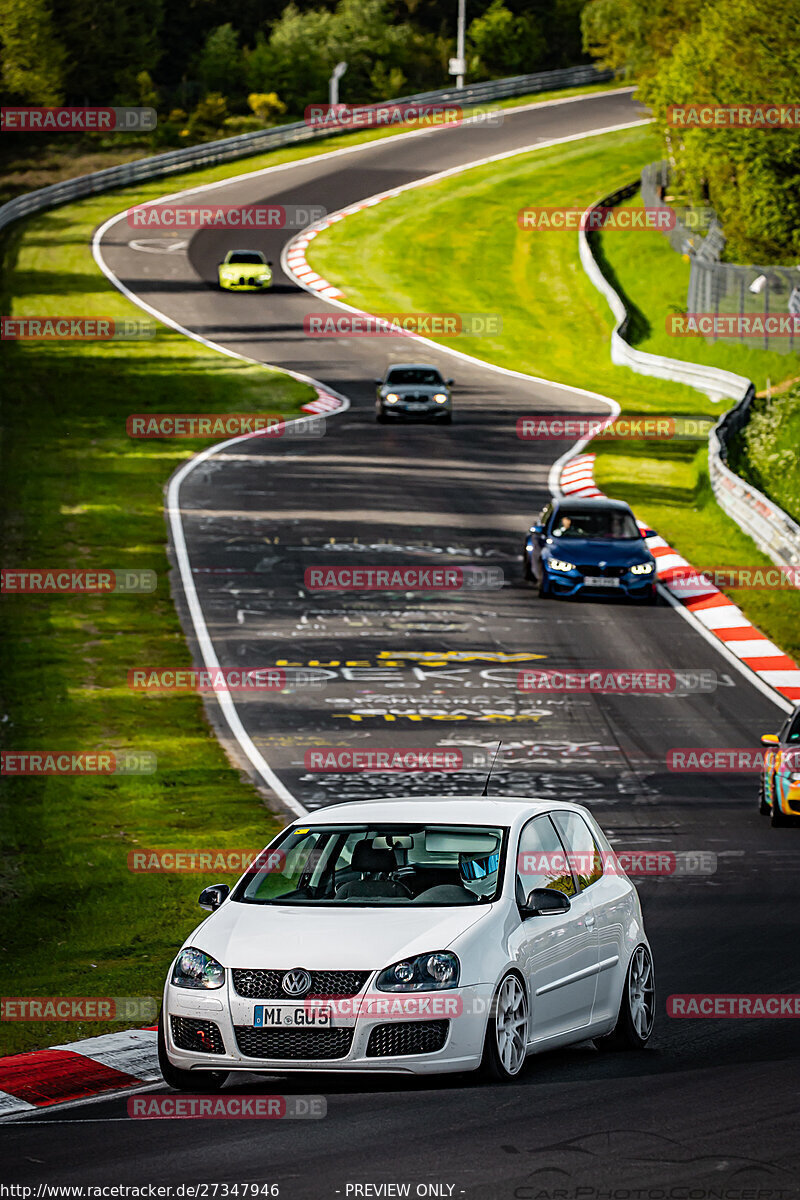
<point>416,397</point>
<point>294,1043</point>
<point>266,985</point>
<point>191,1034</point>
<point>607,571</point>
<point>407,1037</point>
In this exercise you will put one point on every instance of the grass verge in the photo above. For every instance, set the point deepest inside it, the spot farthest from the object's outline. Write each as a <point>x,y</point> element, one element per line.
<point>471,256</point>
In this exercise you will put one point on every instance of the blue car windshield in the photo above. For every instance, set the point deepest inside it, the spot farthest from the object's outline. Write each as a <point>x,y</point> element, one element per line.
<point>600,523</point>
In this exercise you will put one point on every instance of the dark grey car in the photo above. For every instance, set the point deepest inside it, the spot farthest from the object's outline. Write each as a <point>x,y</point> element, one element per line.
<point>414,390</point>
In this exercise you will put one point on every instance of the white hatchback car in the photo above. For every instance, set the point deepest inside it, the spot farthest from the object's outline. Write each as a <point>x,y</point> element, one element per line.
<point>420,936</point>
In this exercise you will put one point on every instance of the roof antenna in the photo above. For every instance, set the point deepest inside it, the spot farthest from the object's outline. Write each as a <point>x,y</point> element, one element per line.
<point>485,791</point>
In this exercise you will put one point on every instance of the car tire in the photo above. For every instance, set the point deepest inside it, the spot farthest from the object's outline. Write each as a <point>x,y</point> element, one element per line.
<point>186,1081</point>
<point>637,1007</point>
<point>651,597</point>
<point>506,1039</point>
<point>777,819</point>
<point>380,418</point>
<point>447,419</point>
<point>527,573</point>
<point>763,807</point>
<point>543,586</point>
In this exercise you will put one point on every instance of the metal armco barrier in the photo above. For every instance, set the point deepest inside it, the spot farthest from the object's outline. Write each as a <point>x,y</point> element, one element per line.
<point>773,530</point>
<point>246,144</point>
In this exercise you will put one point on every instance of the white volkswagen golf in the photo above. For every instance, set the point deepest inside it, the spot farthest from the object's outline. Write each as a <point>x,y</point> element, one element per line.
<point>421,936</point>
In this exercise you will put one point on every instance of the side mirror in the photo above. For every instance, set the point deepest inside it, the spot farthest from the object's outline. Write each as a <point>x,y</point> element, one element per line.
<point>769,739</point>
<point>545,902</point>
<point>212,897</point>
<point>537,529</point>
<point>649,533</point>
<point>269,262</point>
<point>378,381</point>
<point>450,382</point>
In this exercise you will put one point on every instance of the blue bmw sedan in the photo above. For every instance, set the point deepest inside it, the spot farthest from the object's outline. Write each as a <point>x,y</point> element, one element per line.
<point>589,546</point>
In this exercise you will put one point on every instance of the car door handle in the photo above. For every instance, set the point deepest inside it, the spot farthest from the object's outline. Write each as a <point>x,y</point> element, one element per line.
<point>590,920</point>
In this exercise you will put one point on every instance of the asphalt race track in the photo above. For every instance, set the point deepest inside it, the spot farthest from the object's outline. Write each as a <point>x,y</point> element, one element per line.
<point>712,1105</point>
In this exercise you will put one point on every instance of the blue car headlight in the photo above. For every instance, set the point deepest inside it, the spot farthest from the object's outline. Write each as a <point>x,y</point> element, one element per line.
<point>195,969</point>
<point>643,569</point>
<point>424,973</point>
<point>560,564</point>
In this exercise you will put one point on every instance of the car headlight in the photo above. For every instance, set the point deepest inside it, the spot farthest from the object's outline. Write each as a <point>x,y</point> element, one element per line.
<point>194,969</point>
<point>391,398</point>
<point>560,564</point>
<point>642,569</point>
<point>424,973</point>
<point>440,398</point>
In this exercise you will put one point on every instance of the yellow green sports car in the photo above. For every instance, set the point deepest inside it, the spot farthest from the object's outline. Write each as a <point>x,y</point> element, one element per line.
<point>779,790</point>
<point>245,271</point>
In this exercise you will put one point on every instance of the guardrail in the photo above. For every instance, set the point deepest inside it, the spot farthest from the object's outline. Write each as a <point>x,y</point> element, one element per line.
<point>772,529</point>
<point>246,144</point>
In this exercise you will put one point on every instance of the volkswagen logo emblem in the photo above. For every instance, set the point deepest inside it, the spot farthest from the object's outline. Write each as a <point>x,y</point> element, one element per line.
<point>296,982</point>
<point>603,565</point>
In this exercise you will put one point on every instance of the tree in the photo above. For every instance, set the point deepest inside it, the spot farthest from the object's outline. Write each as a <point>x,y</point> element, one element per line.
<point>106,48</point>
<point>219,64</point>
<point>743,52</point>
<point>33,59</point>
<point>501,43</point>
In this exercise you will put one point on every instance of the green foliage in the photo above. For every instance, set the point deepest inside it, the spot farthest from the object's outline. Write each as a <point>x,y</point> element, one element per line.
<point>765,452</point>
<point>207,119</point>
<point>33,60</point>
<point>219,64</point>
<point>727,52</point>
<point>106,48</point>
<point>266,106</point>
<point>504,44</point>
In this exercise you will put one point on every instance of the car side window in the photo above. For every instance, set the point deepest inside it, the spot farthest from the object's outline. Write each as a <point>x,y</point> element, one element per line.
<point>583,851</point>
<point>541,861</point>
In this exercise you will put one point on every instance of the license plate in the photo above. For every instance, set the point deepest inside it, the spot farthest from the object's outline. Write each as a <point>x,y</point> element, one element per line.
<point>269,1017</point>
<point>600,581</point>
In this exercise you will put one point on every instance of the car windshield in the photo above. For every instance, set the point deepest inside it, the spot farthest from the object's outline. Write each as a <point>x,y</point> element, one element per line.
<point>595,523</point>
<point>387,865</point>
<point>246,256</point>
<point>413,375</point>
